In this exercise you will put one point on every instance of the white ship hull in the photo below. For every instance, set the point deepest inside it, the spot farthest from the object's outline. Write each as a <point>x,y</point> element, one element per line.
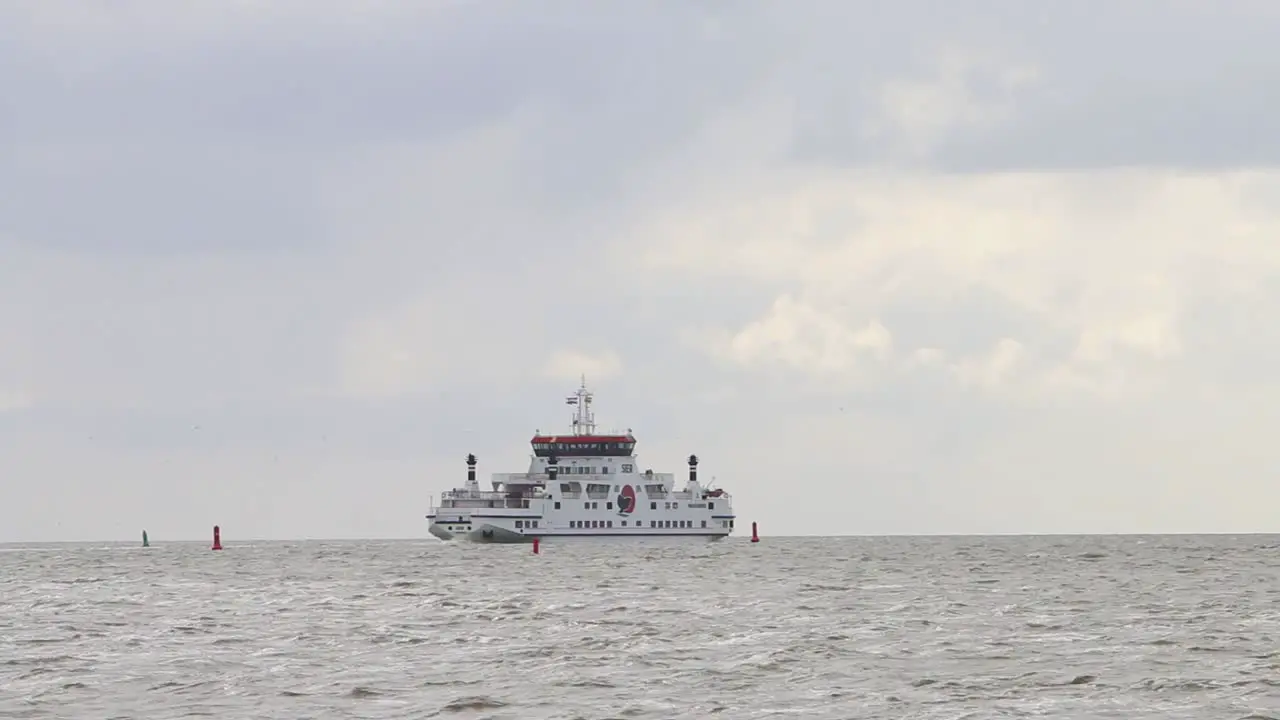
<point>490,534</point>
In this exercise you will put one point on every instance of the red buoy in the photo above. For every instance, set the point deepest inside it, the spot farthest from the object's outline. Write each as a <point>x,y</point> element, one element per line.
<point>217,538</point>
<point>535,546</point>
<point>755,535</point>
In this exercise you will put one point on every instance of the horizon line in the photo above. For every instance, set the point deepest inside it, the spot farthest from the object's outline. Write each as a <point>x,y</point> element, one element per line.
<point>432,540</point>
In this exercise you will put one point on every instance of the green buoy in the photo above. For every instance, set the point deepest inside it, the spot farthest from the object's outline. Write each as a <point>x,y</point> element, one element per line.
<point>145,541</point>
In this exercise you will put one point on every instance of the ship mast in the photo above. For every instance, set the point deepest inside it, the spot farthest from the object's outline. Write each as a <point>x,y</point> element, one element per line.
<point>584,420</point>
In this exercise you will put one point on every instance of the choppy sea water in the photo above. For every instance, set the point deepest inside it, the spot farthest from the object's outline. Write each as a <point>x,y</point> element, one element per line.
<point>1067,627</point>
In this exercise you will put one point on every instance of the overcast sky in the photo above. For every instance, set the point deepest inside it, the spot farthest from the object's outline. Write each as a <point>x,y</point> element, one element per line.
<point>909,267</point>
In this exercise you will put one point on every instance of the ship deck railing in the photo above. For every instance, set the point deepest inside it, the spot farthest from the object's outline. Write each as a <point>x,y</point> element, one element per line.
<point>476,503</point>
<point>473,495</point>
<point>521,478</point>
<point>681,495</point>
<point>496,495</point>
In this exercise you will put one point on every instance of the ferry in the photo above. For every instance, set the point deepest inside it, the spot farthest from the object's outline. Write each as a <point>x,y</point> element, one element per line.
<point>582,485</point>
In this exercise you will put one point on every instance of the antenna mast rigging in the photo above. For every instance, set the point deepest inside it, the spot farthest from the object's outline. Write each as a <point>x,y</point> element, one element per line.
<point>584,419</point>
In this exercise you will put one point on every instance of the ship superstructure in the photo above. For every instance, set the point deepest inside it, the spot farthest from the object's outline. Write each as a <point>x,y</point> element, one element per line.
<point>582,484</point>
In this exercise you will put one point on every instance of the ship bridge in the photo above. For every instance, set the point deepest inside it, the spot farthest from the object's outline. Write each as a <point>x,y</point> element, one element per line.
<point>545,446</point>
<point>583,440</point>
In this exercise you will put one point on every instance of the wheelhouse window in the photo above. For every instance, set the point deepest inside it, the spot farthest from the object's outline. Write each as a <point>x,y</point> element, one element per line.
<point>607,446</point>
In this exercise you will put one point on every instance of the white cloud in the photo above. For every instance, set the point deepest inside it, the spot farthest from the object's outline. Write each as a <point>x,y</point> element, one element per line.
<point>1102,265</point>
<point>811,339</point>
<point>14,399</point>
<point>402,352</point>
<point>572,365</point>
<point>916,113</point>
<point>993,369</point>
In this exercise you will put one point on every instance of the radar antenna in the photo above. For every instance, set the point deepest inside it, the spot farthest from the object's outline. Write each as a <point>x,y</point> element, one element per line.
<point>584,419</point>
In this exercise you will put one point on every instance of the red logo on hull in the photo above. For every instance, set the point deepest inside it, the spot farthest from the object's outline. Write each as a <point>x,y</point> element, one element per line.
<point>626,500</point>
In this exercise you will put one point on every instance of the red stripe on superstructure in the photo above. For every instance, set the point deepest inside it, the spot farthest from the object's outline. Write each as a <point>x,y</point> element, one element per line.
<point>582,439</point>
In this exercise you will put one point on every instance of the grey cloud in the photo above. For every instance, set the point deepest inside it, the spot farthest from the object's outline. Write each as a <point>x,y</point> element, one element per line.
<point>420,79</point>
<point>1217,123</point>
<point>603,94</point>
<point>160,199</point>
<point>1139,84</point>
<point>114,333</point>
<point>1235,335</point>
<point>157,142</point>
<point>970,323</point>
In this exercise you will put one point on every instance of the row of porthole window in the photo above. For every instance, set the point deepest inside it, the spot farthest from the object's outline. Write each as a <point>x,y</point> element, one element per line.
<point>592,505</point>
<point>687,524</point>
<point>609,506</point>
<point>521,524</point>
